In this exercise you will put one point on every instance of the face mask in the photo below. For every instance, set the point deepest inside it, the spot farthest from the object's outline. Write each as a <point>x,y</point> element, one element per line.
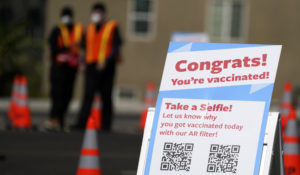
<point>96,17</point>
<point>66,19</point>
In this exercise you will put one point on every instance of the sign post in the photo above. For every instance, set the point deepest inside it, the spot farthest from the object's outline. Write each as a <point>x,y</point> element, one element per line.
<point>212,109</point>
<point>272,156</point>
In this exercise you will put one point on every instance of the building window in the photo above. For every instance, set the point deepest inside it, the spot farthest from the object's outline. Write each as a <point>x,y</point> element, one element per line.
<point>227,20</point>
<point>141,20</point>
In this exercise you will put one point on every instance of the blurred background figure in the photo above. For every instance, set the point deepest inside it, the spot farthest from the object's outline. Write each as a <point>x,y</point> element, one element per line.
<point>102,46</point>
<point>65,44</point>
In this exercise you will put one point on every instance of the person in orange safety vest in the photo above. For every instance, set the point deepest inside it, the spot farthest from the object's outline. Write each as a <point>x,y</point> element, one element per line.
<point>65,47</point>
<point>102,48</point>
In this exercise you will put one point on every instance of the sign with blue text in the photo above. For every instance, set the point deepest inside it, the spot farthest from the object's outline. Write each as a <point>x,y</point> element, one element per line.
<point>212,109</point>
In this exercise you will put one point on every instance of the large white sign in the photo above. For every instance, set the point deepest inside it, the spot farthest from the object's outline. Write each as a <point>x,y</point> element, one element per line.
<point>212,109</point>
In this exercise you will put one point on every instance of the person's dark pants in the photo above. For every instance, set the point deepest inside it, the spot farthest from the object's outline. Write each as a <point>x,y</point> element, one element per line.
<point>62,79</point>
<point>102,82</point>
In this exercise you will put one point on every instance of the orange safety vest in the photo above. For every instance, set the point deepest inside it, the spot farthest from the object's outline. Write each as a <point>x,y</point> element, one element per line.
<point>99,44</point>
<point>66,38</point>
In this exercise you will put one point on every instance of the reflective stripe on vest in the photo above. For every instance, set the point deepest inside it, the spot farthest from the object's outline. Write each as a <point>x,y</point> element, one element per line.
<point>68,38</point>
<point>99,44</point>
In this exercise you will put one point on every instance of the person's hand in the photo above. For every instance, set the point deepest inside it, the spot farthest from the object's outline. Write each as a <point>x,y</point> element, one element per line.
<point>63,58</point>
<point>100,66</point>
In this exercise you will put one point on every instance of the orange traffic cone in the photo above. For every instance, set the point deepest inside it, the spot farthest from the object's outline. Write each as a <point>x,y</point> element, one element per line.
<point>22,118</point>
<point>89,163</point>
<point>291,146</point>
<point>14,95</point>
<point>96,112</point>
<point>149,102</point>
<point>286,105</point>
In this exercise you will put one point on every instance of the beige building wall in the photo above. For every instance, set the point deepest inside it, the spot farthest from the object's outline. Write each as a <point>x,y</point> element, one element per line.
<point>277,22</point>
<point>144,60</point>
<point>267,22</point>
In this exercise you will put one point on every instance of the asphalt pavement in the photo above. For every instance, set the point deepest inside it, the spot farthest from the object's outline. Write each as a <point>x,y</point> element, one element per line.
<point>42,153</point>
<point>39,153</point>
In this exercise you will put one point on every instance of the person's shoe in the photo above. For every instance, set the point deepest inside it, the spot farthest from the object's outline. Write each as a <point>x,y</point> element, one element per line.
<point>66,128</point>
<point>52,125</point>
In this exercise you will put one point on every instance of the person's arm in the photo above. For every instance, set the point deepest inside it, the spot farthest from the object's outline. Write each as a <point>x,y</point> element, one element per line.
<point>82,53</point>
<point>53,42</point>
<point>117,42</point>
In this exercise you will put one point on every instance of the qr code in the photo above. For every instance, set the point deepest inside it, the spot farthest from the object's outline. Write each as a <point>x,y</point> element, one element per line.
<point>176,156</point>
<point>223,158</point>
